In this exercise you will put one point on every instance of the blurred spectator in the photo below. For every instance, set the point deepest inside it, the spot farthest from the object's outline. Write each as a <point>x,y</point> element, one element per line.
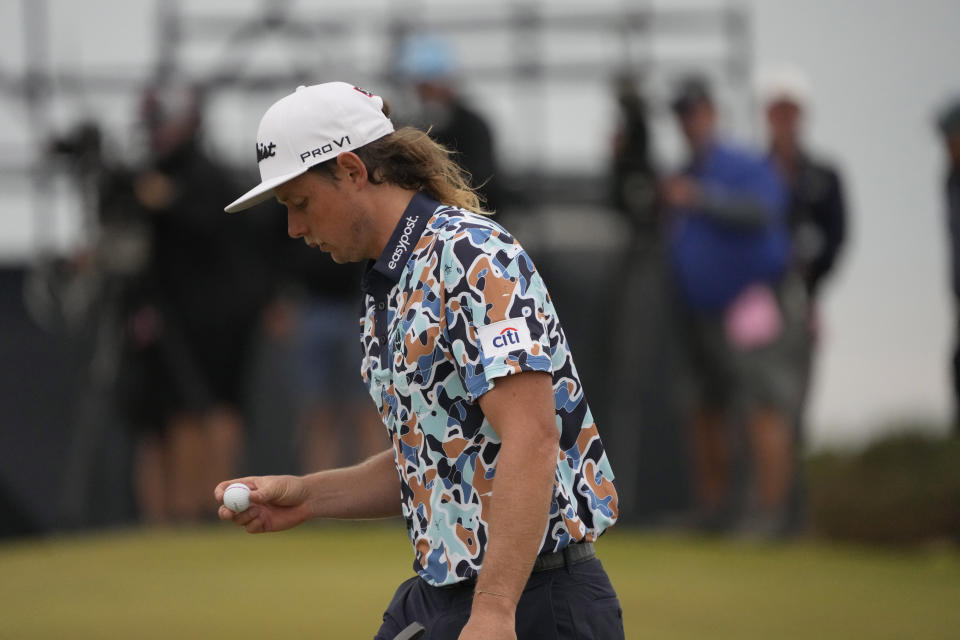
<point>816,207</point>
<point>191,313</point>
<point>729,248</point>
<point>949,125</point>
<point>428,63</point>
<point>637,352</point>
<point>634,178</point>
<point>817,218</point>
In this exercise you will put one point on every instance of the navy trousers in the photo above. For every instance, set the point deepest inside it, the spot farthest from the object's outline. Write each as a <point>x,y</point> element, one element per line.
<point>572,602</point>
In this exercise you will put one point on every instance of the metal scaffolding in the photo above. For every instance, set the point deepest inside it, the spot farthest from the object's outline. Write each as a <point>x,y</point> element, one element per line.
<point>529,35</point>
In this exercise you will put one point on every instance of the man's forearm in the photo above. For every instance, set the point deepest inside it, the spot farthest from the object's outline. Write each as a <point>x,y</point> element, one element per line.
<point>370,489</point>
<point>522,489</point>
<point>739,210</point>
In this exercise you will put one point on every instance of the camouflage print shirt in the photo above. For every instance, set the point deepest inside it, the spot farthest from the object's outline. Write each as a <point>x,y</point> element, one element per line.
<point>452,304</point>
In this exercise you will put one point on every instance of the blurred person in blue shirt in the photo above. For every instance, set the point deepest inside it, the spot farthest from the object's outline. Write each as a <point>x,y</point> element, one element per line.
<point>728,249</point>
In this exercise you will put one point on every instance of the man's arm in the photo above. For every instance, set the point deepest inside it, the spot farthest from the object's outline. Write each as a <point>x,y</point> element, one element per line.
<point>520,409</point>
<point>831,217</point>
<point>743,210</point>
<point>370,489</point>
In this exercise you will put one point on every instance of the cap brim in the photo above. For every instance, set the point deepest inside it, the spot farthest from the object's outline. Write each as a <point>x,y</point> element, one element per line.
<point>261,192</point>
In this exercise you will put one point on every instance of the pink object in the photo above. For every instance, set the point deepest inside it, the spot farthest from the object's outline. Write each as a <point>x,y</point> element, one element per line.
<point>753,319</point>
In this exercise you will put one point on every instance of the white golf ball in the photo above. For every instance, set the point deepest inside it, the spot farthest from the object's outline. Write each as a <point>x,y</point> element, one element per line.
<point>237,497</point>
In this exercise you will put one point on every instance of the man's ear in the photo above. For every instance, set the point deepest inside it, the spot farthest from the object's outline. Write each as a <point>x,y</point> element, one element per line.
<point>352,168</point>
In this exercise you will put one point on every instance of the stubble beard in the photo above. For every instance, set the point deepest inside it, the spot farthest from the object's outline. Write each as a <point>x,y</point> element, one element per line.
<point>358,241</point>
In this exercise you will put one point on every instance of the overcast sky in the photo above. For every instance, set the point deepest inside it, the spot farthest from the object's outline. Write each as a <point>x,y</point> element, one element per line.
<point>879,70</point>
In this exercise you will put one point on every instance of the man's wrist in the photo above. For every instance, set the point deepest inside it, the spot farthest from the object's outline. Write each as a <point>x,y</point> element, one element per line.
<point>311,502</point>
<point>494,602</point>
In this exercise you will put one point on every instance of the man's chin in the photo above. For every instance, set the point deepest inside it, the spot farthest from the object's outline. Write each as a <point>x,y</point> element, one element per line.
<point>339,258</point>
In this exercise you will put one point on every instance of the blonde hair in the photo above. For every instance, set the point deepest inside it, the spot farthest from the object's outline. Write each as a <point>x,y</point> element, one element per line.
<point>410,159</point>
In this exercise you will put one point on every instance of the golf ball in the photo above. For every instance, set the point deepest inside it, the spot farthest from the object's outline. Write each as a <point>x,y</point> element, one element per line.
<point>237,497</point>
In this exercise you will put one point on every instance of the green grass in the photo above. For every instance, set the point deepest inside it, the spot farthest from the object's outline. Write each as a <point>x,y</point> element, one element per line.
<point>334,581</point>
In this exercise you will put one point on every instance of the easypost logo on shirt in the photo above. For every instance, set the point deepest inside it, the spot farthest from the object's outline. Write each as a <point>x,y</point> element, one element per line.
<point>403,244</point>
<point>500,338</point>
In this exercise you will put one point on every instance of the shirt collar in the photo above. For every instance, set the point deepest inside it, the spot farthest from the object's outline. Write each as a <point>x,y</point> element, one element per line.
<point>405,236</point>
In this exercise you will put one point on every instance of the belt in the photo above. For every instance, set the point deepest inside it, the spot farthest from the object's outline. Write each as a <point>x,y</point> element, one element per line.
<point>567,557</point>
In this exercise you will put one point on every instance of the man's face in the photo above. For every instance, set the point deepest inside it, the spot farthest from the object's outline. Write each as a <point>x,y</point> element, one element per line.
<point>783,121</point>
<point>697,122</point>
<point>322,212</point>
<point>953,149</point>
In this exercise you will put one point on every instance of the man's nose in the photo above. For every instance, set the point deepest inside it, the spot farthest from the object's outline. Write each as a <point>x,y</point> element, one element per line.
<point>295,226</point>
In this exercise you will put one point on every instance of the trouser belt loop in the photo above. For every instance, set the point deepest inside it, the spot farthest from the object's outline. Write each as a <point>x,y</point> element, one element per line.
<point>567,562</point>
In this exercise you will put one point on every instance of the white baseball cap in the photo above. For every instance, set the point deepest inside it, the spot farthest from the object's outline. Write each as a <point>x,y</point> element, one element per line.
<point>309,126</point>
<point>784,84</point>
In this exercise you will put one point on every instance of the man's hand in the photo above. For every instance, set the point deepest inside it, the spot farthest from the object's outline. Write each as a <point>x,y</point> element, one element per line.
<point>490,619</point>
<point>367,490</point>
<point>154,190</point>
<point>679,192</point>
<point>276,503</point>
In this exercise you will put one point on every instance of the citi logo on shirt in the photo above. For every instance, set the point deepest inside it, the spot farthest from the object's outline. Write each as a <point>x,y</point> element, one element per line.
<point>508,337</point>
<point>504,337</point>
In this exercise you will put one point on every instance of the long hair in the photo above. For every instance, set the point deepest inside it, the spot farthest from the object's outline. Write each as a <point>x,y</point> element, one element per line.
<point>410,159</point>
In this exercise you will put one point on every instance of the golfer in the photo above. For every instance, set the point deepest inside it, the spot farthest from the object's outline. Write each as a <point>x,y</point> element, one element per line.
<point>495,461</point>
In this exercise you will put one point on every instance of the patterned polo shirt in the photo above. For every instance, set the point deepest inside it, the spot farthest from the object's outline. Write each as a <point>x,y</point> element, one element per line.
<point>452,304</point>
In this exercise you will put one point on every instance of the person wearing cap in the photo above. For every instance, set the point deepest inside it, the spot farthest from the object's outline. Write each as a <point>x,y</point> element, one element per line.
<point>427,61</point>
<point>948,124</point>
<point>817,219</point>
<point>728,250</point>
<point>817,210</point>
<point>494,459</point>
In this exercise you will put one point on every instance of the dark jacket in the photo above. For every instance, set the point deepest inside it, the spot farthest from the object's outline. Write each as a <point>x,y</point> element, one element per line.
<point>469,135</point>
<point>953,219</point>
<point>817,217</point>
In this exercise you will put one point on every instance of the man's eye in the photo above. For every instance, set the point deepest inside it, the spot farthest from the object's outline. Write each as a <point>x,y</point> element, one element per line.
<point>301,205</point>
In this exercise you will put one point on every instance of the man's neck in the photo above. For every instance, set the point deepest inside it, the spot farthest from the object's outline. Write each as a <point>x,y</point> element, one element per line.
<point>388,203</point>
<point>786,154</point>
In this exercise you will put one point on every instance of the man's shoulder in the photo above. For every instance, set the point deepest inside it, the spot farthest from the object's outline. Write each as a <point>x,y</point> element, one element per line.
<point>817,176</point>
<point>453,226</point>
<point>822,166</point>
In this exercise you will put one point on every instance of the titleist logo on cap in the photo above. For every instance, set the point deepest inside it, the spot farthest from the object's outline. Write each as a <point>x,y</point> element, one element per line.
<point>265,151</point>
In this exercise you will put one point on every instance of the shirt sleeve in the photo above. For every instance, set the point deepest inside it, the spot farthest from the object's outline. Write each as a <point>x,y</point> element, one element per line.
<point>496,324</point>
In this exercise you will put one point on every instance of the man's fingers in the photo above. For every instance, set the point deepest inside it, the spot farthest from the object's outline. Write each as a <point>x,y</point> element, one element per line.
<point>270,490</point>
<point>260,497</point>
<point>249,519</point>
<point>244,517</point>
<point>255,522</point>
